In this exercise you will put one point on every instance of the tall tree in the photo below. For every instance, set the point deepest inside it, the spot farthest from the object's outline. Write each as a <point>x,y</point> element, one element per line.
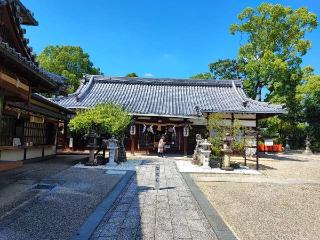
<point>272,56</point>
<point>107,119</point>
<point>133,74</point>
<point>274,49</point>
<point>226,69</point>
<point>309,95</point>
<point>205,75</point>
<point>69,61</point>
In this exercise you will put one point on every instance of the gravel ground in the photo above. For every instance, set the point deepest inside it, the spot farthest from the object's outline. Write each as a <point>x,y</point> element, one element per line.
<point>282,203</point>
<point>56,213</point>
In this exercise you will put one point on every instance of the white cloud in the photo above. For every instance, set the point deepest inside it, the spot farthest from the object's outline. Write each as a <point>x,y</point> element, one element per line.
<point>148,75</point>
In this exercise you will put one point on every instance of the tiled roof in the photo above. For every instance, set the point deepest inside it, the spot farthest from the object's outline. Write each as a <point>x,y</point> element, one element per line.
<point>24,14</point>
<point>21,15</point>
<point>48,101</point>
<point>30,65</point>
<point>166,97</point>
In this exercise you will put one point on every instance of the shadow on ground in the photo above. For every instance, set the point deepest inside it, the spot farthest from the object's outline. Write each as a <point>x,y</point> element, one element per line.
<point>57,213</point>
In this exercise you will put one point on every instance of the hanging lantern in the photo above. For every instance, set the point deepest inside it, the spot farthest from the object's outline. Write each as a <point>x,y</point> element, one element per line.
<point>186,131</point>
<point>133,130</point>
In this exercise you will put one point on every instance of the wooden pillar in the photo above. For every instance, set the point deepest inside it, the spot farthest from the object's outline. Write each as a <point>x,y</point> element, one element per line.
<point>132,144</point>
<point>257,150</point>
<point>245,147</point>
<point>1,103</point>
<point>232,123</point>
<point>185,146</point>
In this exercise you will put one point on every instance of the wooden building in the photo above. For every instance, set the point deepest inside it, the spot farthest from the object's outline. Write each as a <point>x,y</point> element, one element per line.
<point>176,108</point>
<point>28,121</point>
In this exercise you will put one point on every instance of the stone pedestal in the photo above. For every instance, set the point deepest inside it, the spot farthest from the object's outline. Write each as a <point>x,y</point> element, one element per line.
<point>92,136</point>
<point>226,160</point>
<point>112,145</point>
<point>205,150</point>
<point>287,147</point>
<point>227,151</point>
<point>196,158</point>
<point>308,150</point>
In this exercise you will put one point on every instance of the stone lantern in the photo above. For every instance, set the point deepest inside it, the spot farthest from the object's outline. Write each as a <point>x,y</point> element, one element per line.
<point>205,150</point>
<point>112,145</point>
<point>287,147</point>
<point>308,144</point>
<point>196,153</point>
<point>227,151</point>
<point>92,144</point>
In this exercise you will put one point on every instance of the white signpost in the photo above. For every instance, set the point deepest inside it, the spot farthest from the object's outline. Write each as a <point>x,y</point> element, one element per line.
<point>268,142</point>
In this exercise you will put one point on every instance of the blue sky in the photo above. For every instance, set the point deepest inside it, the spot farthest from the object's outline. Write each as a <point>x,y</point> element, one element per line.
<point>160,38</point>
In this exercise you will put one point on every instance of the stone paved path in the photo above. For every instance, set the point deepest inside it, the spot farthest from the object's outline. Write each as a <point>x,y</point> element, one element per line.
<point>143,213</point>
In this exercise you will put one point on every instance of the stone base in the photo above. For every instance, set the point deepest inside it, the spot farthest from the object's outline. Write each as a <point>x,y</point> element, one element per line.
<point>227,168</point>
<point>307,152</point>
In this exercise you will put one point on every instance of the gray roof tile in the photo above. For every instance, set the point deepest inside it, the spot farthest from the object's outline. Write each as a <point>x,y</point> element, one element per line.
<point>166,97</point>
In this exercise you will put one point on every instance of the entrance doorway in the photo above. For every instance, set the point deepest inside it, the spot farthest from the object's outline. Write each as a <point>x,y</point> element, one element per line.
<point>148,139</point>
<point>173,139</point>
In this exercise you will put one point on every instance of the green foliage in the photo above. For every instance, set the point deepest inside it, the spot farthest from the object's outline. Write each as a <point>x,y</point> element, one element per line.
<point>69,61</point>
<point>238,143</point>
<point>205,75</point>
<point>226,69</point>
<point>275,45</point>
<point>309,94</point>
<point>133,74</point>
<point>103,119</point>
<point>272,57</point>
<point>218,131</point>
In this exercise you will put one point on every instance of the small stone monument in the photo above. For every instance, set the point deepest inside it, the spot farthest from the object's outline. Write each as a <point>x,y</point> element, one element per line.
<point>227,151</point>
<point>205,150</point>
<point>112,145</point>
<point>287,147</point>
<point>196,154</point>
<point>308,144</point>
<point>92,144</point>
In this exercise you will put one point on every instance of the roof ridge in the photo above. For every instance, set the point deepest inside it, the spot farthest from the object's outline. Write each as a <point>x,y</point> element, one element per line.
<point>166,81</point>
<point>85,89</point>
<point>244,101</point>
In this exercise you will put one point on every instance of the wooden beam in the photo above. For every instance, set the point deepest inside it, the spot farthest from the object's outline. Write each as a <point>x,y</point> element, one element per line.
<point>15,82</point>
<point>14,86</point>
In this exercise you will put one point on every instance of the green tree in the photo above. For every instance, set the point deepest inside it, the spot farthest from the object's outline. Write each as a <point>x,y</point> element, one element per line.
<point>309,95</point>
<point>69,61</point>
<point>133,74</point>
<point>274,49</point>
<point>226,69</point>
<point>107,119</point>
<point>205,75</point>
<point>272,56</point>
<point>218,131</point>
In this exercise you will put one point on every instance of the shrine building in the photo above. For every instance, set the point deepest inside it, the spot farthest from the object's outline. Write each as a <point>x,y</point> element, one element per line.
<point>28,121</point>
<point>176,108</point>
